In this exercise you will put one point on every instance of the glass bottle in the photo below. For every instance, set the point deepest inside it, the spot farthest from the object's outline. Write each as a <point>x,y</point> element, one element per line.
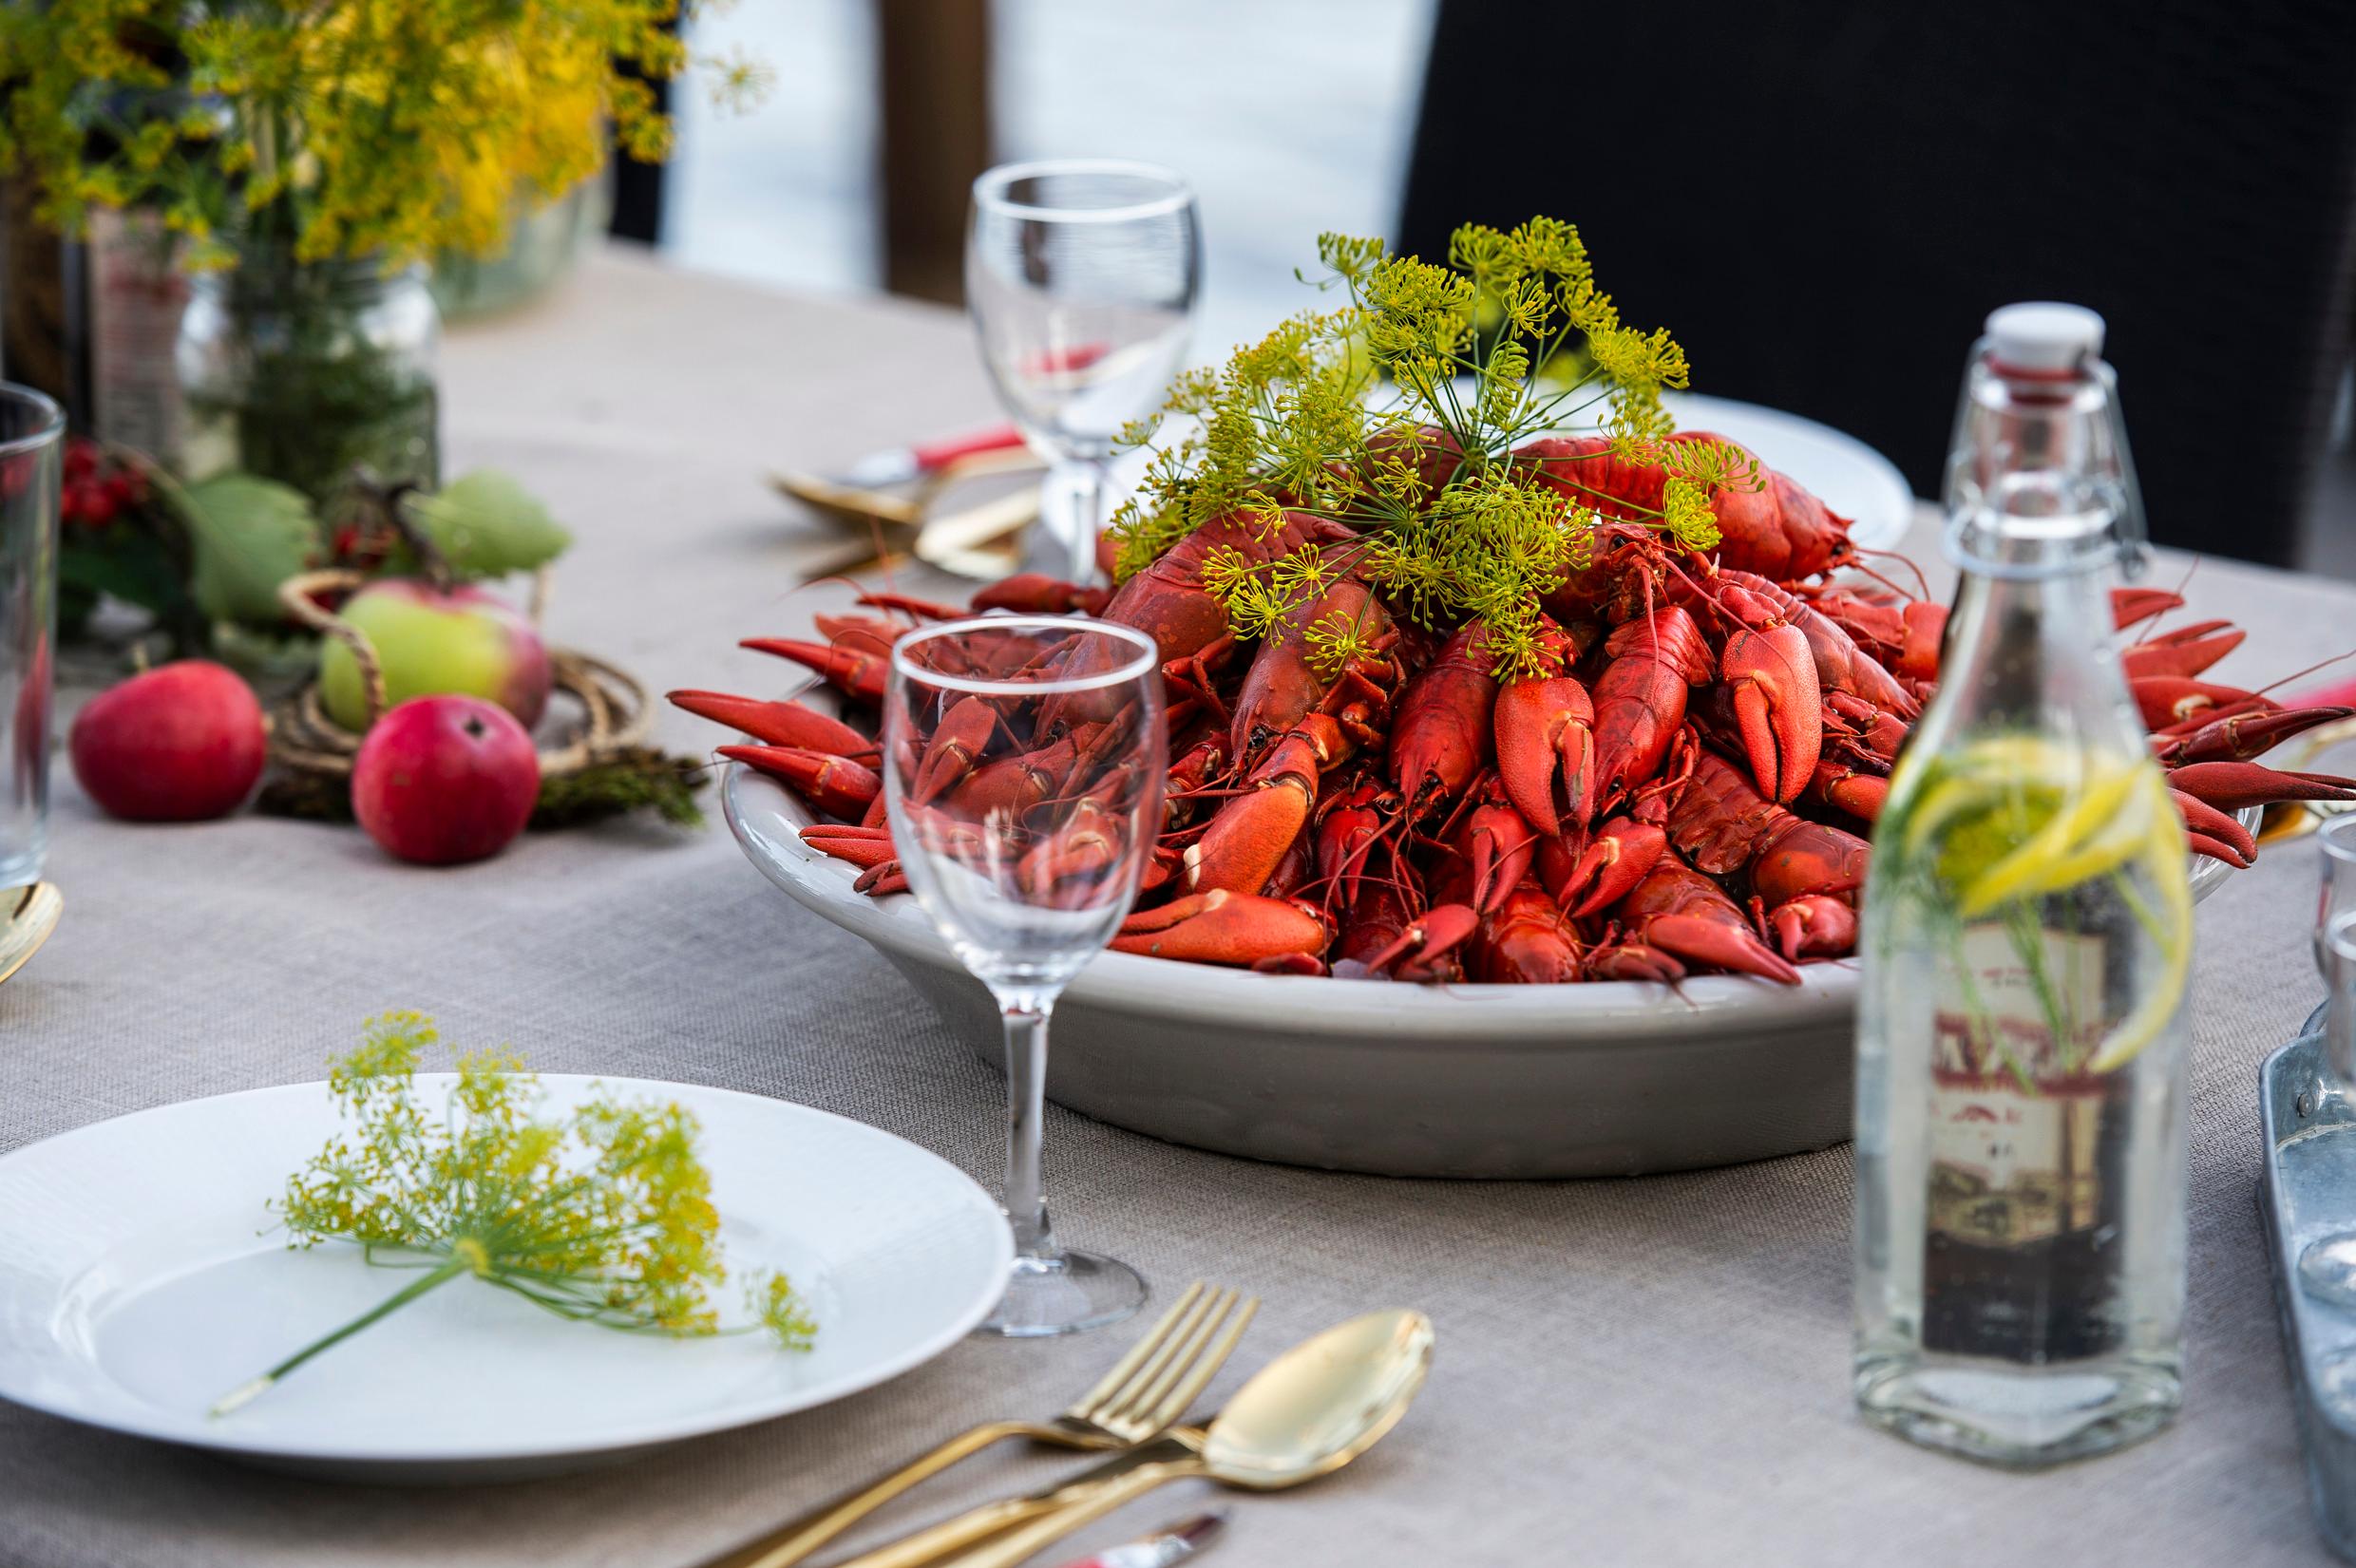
<point>2026,939</point>
<point>302,370</point>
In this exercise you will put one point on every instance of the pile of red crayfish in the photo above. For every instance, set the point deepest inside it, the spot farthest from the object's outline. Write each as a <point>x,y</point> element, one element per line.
<point>1683,788</point>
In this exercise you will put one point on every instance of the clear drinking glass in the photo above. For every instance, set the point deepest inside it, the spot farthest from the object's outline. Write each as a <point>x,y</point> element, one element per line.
<point>1024,765</point>
<point>2337,896</point>
<point>2335,939</point>
<point>30,431</point>
<point>1080,275</point>
<point>2327,1266</point>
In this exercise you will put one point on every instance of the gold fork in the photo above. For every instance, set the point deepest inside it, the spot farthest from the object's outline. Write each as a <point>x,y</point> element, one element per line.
<point>1142,1397</point>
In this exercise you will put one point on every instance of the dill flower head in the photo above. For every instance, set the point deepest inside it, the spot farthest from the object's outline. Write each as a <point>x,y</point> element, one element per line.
<point>1473,352</point>
<point>604,1217</point>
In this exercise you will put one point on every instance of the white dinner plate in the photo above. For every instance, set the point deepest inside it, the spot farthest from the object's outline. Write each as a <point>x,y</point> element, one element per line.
<point>141,1278</point>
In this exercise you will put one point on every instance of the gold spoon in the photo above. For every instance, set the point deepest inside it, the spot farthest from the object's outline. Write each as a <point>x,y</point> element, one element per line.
<point>28,915</point>
<point>1305,1414</point>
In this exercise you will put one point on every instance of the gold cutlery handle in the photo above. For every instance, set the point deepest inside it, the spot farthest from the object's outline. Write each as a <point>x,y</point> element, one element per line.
<point>792,1541</point>
<point>939,1542</point>
<point>1081,1505</point>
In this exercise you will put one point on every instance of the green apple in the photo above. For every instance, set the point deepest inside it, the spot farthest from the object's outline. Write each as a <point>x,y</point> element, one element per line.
<point>434,642</point>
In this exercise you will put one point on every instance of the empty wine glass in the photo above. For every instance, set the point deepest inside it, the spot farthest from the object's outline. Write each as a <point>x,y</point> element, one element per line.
<point>1024,765</point>
<point>1080,274</point>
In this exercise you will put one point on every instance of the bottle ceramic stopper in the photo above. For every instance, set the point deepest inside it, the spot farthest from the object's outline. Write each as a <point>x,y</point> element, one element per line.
<point>2043,337</point>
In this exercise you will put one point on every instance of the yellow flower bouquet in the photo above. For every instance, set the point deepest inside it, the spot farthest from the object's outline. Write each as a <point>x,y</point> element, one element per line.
<point>306,155</point>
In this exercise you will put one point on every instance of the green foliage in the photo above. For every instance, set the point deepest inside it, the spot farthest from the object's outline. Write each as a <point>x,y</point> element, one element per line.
<point>486,525</point>
<point>134,561</point>
<point>246,536</point>
<point>639,779</point>
<point>604,1217</point>
<point>1467,348</point>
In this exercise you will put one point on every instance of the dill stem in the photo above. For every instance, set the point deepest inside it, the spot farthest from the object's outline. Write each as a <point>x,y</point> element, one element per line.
<point>393,1303</point>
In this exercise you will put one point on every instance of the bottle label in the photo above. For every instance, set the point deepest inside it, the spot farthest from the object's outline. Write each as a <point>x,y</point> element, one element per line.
<point>137,295</point>
<point>2015,1124</point>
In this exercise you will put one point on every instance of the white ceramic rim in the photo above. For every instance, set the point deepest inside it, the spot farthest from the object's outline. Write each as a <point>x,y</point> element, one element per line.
<point>198,1432</point>
<point>990,190</point>
<point>1148,660</point>
<point>53,418</point>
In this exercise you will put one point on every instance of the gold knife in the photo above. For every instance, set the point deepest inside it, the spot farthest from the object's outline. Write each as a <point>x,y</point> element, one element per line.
<point>936,1542</point>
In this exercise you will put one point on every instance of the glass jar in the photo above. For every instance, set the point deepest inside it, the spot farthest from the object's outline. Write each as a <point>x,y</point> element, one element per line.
<point>544,240</point>
<point>2026,942</point>
<point>302,371</point>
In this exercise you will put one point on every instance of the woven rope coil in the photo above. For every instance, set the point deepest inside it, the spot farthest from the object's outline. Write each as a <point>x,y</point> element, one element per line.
<point>615,714</point>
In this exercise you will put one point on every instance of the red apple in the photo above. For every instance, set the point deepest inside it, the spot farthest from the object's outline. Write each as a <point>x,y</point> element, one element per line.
<point>442,780</point>
<point>176,745</point>
<point>430,642</point>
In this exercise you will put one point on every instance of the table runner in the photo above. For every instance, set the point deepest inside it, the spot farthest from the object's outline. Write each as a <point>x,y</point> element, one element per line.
<point>1629,1371</point>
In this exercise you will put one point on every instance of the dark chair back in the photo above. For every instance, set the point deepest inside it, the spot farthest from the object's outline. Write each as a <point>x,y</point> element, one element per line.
<point>1822,200</point>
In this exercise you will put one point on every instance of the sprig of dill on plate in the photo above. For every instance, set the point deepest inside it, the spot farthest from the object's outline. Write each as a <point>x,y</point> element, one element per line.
<point>604,1217</point>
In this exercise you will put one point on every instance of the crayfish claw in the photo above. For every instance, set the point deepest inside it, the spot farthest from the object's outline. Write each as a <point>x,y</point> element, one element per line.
<point>1425,951</point>
<point>958,743</point>
<point>1733,947</point>
<point>1612,864</point>
<point>1814,925</point>
<point>1633,960</point>
<point>1777,705</point>
<point>1222,926</point>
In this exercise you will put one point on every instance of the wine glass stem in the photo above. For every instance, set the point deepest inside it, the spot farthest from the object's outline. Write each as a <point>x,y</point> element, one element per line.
<point>1026,1104</point>
<point>1072,529</point>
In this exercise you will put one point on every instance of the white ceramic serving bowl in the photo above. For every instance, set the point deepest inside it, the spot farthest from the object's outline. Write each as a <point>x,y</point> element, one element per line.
<point>1615,1079</point>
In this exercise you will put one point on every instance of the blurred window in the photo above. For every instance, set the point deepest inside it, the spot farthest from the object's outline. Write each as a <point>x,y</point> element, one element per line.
<point>1289,116</point>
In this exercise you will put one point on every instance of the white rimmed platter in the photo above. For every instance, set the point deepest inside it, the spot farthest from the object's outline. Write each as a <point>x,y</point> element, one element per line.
<point>140,1280</point>
<point>1484,1081</point>
<point>1852,478</point>
<point>1464,1081</point>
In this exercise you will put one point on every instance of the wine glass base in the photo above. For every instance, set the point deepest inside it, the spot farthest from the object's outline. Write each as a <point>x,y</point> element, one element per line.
<point>1068,1294</point>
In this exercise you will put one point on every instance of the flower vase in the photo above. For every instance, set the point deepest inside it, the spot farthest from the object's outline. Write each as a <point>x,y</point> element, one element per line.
<point>306,372</point>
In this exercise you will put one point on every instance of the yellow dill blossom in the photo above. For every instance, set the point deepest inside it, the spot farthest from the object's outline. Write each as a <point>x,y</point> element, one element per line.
<point>356,127</point>
<point>1294,423</point>
<point>1685,512</point>
<point>603,1218</point>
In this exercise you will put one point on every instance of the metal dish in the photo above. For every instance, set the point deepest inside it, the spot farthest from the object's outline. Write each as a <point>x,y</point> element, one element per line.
<point>1618,1079</point>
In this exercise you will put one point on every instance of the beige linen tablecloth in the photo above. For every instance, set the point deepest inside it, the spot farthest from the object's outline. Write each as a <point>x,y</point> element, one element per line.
<point>1629,1372</point>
